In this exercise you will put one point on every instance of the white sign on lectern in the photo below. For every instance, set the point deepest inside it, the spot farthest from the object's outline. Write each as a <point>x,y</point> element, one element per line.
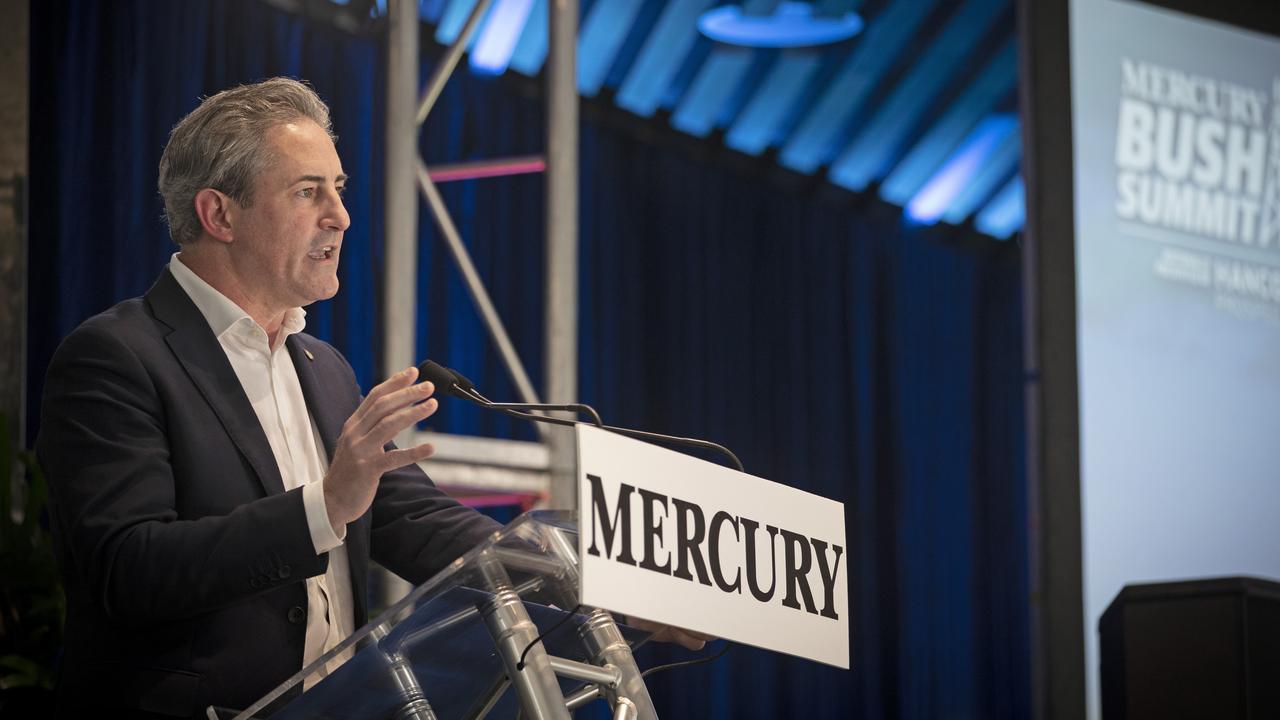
<point>677,540</point>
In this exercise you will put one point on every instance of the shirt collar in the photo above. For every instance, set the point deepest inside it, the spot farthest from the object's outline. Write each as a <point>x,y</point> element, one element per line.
<point>222,314</point>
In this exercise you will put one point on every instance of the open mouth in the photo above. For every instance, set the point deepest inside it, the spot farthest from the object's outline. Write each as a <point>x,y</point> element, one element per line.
<point>323,253</point>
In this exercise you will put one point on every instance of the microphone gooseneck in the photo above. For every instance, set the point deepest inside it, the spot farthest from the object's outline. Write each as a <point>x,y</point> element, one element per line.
<point>454,384</point>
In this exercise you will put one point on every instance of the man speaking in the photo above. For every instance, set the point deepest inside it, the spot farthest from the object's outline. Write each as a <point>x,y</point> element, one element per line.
<point>218,484</point>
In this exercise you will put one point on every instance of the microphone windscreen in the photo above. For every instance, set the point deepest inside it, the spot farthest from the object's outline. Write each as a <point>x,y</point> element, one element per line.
<point>464,383</point>
<point>439,376</point>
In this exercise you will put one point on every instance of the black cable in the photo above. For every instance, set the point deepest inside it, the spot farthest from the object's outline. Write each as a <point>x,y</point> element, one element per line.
<point>676,440</point>
<point>450,382</point>
<point>686,663</point>
<point>638,434</point>
<point>523,409</point>
<point>535,641</point>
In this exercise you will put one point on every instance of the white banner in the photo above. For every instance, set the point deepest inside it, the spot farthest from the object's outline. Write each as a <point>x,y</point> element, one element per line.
<point>678,540</point>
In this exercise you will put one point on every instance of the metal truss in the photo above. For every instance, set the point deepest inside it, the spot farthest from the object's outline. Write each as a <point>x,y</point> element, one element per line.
<point>470,465</point>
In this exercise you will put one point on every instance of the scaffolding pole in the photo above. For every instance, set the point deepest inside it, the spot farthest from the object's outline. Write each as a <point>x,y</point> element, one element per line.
<point>400,264</point>
<point>561,308</point>
<point>400,215</point>
<point>561,267</point>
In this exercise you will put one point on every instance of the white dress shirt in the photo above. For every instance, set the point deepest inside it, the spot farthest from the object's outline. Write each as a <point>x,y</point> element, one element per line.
<point>270,381</point>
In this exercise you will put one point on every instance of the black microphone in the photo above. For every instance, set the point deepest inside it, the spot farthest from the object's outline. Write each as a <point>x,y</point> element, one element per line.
<point>455,384</point>
<point>447,382</point>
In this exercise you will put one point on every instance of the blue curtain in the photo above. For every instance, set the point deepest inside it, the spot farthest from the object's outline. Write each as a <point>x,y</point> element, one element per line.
<point>833,347</point>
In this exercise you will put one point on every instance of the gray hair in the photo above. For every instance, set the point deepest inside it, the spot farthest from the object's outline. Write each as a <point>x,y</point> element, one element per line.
<point>222,145</point>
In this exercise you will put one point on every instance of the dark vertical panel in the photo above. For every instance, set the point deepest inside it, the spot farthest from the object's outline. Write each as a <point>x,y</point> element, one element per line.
<point>1053,430</point>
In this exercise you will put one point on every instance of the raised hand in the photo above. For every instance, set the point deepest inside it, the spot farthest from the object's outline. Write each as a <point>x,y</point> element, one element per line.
<point>360,457</point>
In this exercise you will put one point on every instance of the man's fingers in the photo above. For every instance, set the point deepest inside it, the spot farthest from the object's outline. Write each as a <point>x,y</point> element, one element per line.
<point>391,403</point>
<point>667,633</point>
<point>407,456</point>
<point>390,426</point>
<point>684,638</point>
<point>697,637</point>
<point>399,381</point>
<point>391,384</point>
<point>687,640</point>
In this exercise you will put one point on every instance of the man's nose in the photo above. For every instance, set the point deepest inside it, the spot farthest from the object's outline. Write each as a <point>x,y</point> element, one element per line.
<point>337,218</point>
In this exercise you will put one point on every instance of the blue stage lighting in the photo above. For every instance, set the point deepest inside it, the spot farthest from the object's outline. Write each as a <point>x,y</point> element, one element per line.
<point>756,127</point>
<point>935,197</point>
<point>843,103</point>
<point>1006,213</point>
<point>603,32</point>
<point>660,57</point>
<point>791,24</point>
<point>531,49</point>
<point>498,37</point>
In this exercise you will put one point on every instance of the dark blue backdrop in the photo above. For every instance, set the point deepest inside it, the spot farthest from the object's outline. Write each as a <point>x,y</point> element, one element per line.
<point>834,348</point>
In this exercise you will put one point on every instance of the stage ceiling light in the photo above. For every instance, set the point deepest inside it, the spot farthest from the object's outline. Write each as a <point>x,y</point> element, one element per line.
<point>790,25</point>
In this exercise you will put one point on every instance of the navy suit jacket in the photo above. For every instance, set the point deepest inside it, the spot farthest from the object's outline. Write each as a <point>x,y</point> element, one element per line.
<point>184,558</point>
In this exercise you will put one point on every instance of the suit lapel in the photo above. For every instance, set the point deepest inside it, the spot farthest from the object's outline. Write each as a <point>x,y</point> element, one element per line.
<point>194,344</point>
<point>329,417</point>
<point>313,392</point>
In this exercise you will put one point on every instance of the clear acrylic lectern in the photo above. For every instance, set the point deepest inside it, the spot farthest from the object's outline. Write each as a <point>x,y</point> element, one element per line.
<point>462,644</point>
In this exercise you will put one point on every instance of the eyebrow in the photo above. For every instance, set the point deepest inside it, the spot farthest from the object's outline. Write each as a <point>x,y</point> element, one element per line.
<point>319,179</point>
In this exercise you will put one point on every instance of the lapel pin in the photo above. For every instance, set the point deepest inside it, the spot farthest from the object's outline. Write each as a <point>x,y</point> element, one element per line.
<point>308,354</point>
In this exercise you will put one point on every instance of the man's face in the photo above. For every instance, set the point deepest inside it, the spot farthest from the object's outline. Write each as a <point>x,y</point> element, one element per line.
<point>286,243</point>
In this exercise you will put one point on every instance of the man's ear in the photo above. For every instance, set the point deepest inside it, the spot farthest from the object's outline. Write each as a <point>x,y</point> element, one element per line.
<point>216,211</point>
